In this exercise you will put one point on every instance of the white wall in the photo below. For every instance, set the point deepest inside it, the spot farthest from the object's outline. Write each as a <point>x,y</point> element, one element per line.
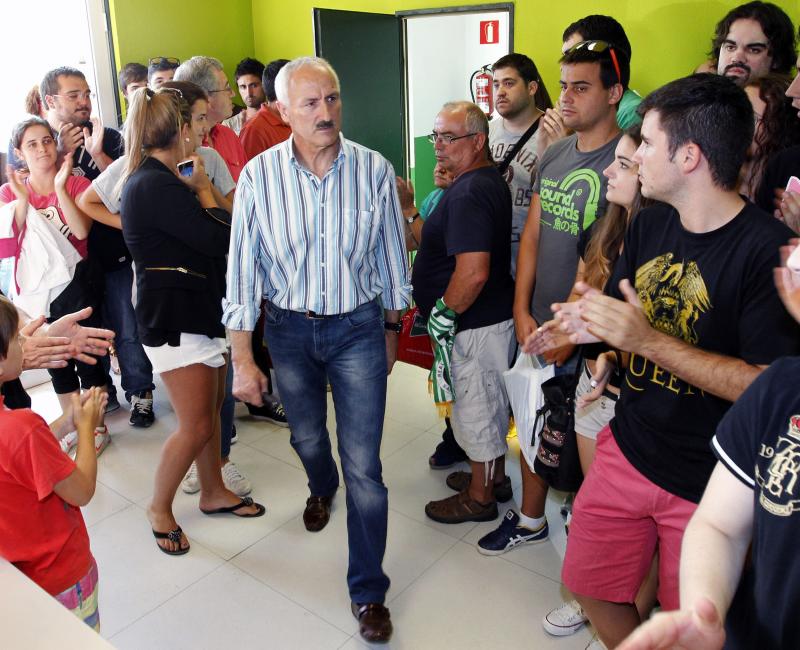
<point>443,52</point>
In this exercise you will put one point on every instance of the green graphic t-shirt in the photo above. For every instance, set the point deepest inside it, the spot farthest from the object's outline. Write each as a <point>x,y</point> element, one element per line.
<point>572,192</point>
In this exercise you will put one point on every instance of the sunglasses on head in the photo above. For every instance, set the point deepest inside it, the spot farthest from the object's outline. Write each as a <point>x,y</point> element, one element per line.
<point>599,47</point>
<point>164,60</point>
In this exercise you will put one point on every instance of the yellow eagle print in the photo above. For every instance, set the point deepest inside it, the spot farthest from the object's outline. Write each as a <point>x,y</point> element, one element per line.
<point>673,295</point>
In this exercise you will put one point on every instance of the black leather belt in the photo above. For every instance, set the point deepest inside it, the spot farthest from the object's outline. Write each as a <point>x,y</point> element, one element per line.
<point>314,315</point>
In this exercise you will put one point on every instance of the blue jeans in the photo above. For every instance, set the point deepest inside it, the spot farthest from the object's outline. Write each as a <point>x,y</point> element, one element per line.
<point>226,413</point>
<point>350,350</point>
<point>118,315</point>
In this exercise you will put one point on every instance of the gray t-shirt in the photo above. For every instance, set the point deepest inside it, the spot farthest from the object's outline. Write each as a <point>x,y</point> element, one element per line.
<point>572,192</point>
<point>519,176</point>
<point>106,184</point>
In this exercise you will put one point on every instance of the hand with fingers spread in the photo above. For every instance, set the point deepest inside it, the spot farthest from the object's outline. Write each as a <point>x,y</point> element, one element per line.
<point>93,140</point>
<point>699,628</point>
<point>70,137</point>
<point>84,341</point>
<point>16,179</point>
<point>63,174</point>
<point>621,324</point>
<point>551,342</point>
<point>568,315</point>
<point>42,351</point>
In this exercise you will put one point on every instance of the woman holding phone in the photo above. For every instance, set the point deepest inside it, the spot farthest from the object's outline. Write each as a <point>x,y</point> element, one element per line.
<point>178,237</point>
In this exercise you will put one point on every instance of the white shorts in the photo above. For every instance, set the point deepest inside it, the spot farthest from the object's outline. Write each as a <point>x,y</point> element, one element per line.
<point>590,419</point>
<point>194,348</point>
<point>480,412</point>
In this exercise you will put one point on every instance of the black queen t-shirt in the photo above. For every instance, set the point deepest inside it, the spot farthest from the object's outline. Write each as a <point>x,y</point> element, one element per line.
<point>713,290</point>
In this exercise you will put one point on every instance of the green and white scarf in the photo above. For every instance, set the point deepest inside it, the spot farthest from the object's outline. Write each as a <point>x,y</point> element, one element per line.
<point>442,330</point>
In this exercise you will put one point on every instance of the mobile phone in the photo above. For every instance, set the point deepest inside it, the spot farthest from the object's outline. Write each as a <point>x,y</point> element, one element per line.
<point>793,185</point>
<point>186,168</point>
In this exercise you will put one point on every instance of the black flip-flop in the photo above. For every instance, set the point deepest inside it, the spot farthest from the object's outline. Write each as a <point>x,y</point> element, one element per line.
<point>231,510</point>
<point>172,536</point>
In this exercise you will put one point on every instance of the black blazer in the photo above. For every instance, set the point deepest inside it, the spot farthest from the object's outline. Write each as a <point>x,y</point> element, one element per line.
<point>178,250</point>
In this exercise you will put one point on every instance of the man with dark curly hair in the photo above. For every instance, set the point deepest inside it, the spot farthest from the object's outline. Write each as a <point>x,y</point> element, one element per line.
<point>752,40</point>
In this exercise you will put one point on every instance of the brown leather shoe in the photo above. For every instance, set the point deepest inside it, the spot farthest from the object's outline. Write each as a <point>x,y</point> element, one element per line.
<point>317,513</point>
<point>374,622</point>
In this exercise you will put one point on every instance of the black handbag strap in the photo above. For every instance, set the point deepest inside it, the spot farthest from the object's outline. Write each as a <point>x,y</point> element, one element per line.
<point>502,166</point>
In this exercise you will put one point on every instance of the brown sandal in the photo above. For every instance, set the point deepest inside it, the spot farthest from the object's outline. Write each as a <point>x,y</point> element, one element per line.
<point>460,508</point>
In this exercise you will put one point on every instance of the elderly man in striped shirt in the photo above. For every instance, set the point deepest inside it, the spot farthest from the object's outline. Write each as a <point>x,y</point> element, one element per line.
<point>317,232</point>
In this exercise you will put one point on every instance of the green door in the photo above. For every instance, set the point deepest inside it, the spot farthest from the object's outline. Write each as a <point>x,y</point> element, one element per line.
<point>365,51</point>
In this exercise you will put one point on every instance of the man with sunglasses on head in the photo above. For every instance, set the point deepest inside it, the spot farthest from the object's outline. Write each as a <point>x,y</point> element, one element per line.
<point>463,288</point>
<point>161,69</point>
<point>568,195</point>
<point>208,73</point>
<point>601,28</point>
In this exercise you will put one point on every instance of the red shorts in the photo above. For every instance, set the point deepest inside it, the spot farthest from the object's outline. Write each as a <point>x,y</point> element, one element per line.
<point>619,520</point>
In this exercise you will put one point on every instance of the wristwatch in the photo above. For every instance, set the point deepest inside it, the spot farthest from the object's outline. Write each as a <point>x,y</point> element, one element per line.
<point>393,327</point>
<point>412,218</point>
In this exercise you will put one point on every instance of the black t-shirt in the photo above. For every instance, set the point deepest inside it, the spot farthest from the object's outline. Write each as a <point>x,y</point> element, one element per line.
<point>474,215</point>
<point>106,244</point>
<point>713,290</point>
<point>758,441</point>
<point>780,167</point>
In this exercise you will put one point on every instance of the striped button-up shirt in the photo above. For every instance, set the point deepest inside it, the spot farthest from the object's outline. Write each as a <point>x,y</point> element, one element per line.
<point>306,244</point>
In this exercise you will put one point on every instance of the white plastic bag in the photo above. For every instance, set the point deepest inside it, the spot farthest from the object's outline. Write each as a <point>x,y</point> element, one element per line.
<point>523,385</point>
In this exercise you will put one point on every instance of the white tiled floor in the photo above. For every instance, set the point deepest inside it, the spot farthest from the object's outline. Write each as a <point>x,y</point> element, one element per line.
<point>267,583</point>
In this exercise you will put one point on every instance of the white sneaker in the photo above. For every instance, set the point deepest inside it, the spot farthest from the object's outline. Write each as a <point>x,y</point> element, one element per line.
<point>191,483</point>
<point>69,444</point>
<point>565,620</point>
<point>101,439</point>
<point>234,480</point>
<point>595,644</point>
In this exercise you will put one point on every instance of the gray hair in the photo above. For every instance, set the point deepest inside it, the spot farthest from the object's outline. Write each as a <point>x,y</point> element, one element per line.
<point>286,72</point>
<point>200,70</point>
<point>474,119</point>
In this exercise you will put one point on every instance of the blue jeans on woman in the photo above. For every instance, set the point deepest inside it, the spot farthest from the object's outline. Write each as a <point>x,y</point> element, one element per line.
<point>350,351</point>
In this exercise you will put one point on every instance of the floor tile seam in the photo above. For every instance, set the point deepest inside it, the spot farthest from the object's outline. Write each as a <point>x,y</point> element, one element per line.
<point>405,444</point>
<point>427,568</point>
<point>427,522</point>
<point>514,564</point>
<point>292,600</point>
<point>164,602</point>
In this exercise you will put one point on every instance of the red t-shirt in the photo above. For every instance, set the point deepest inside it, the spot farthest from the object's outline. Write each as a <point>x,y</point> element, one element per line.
<point>265,130</point>
<point>227,144</point>
<point>49,208</point>
<point>40,533</point>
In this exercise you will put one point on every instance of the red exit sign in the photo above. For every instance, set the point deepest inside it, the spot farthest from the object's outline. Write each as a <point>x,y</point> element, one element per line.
<point>490,32</point>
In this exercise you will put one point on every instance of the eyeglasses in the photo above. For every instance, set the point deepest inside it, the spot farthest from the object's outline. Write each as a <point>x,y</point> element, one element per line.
<point>75,95</point>
<point>164,60</point>
<point>599,47</point>
<point>226,89</point>
<point>446,138</point>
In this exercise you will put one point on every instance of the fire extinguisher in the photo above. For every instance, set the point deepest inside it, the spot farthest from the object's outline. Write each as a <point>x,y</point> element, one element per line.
<point>480,85</point>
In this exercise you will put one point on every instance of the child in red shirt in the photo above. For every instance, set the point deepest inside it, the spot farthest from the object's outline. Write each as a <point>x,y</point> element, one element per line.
<point>42,531</point>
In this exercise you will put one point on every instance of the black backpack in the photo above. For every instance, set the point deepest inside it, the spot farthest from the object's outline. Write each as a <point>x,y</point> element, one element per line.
<point>557,460</point>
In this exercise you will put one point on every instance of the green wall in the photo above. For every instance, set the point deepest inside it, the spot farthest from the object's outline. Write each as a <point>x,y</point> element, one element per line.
<point>669,38</point>
<point>146,28</point>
